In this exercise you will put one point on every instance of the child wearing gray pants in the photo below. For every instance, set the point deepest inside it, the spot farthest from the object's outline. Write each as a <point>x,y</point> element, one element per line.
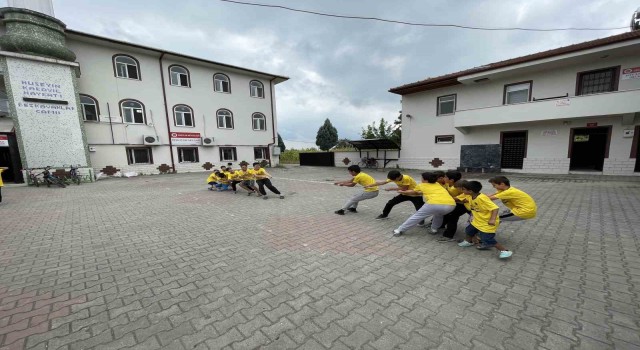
<point>362,179</point>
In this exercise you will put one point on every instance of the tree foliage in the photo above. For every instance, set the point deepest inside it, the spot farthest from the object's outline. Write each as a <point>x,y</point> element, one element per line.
<point>327,136</point>
<point>281,143</point>
<point>384,130</point>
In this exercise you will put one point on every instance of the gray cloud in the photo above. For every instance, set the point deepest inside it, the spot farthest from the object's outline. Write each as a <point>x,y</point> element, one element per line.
<point>341,69</point>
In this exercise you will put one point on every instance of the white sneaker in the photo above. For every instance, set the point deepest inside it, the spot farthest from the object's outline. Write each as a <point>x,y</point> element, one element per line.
<point>465,244</point>
<point>433,231</point>
<point>397,233</point>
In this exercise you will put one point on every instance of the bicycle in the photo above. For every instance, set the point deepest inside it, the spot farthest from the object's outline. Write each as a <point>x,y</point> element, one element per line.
<point>51,179</point>
<point>368,163</point>
<point>33,177</point>
<point>74,177</point>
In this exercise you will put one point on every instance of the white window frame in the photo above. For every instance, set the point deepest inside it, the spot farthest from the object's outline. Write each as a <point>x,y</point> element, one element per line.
<point>516,88</point>
<point>219,81</point>
<point>234,154</point>
<point>181,114</point>
<point>256,117</point>
<point>447,99</point>
<point>256,89</point>
<point>178,74</point>
<point>181,151</point>
<point>445,139</point>
<point>84,111</point>
<point>263,151</point>
<point>132,158</point>
<point>226,119</point>
<point>125,74</point>
<point>132,110</point>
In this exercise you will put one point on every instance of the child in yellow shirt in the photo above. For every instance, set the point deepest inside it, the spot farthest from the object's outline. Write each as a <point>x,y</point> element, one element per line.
<point>484,222</point>
<point>262,178</point>
<point>521,205</point>
<point>1,183</point>
<point>362,179</point>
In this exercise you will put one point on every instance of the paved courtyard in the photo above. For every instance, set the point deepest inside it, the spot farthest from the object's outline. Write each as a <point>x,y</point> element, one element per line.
<point>160,262</point>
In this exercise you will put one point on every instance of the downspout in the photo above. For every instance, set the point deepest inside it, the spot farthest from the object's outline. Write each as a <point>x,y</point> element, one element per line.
<point>273,123</point>
<point>113,140</point>
<point>166,112</point>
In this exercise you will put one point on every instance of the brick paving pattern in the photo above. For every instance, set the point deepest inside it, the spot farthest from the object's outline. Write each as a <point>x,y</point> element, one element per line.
<point>160,262</point>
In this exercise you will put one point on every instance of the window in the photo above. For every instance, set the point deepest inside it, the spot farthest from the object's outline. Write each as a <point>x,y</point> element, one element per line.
<point>188,154</point>
<point>228,154</point>
<point>183,115</point>
<point>259,122</point>
<point>602,80</point>
<point>89,108</point>
<point>132,112</point>
<point>444,139</point>
<point>446,105</point>
<point>260,153</point>
<point>517,93</point>
<point>257,89</point>
<point>139,155</point>
<point>221,83</point>
<point>179,76</point>
<point>225,119</point>
<point>126,67</point>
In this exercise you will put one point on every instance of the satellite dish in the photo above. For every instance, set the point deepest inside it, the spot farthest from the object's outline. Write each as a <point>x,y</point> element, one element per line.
<point>635,20</point>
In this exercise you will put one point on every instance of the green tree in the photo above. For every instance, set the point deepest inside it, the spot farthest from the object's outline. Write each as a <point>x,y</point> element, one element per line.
<point>281,143</point>
<point>327,136</point>
<point>384,130</point>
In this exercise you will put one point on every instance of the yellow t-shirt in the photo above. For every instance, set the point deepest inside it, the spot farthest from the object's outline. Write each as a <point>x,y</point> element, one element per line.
<point>365,180</point>
<point>223,178</point>
<point>453,191</point>
<point>212,178</point>
<point>520,203</point>
<point>434,194</point>
<point>481,208</point>
<point>1,183</point>
<point>260,172</point>
<point>407,181</point>
<point>244,175</point>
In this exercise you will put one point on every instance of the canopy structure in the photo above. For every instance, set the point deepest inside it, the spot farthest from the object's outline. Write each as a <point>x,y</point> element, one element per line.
<point>377,145</point>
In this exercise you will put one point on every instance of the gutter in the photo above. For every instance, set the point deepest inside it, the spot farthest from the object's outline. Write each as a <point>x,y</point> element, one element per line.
<point>166,112</point>
<point>273,125</point>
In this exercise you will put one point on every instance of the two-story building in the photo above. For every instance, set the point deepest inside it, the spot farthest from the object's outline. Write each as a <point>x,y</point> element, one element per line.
<point>571,109</point>
<point>76,98</point>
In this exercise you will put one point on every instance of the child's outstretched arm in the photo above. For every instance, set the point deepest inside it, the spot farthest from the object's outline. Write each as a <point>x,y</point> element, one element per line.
<point>410,192</point>
<point>492,219</point>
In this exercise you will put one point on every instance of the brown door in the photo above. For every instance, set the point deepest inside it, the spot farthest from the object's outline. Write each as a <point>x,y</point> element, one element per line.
<point>514,149</point>
<point>589,148</point>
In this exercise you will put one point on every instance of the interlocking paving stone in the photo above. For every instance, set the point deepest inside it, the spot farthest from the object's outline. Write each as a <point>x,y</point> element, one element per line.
<point>160,262</point>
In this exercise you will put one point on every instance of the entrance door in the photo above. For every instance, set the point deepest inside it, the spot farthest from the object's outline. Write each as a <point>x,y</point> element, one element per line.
<point>589,148</point>
<point>514,149</point>
<point>10,158</point>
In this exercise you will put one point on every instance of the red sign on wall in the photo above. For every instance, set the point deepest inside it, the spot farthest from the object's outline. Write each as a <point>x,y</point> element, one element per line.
<point>186,138</point>
<point>4,141</point>
<point>592,125</point>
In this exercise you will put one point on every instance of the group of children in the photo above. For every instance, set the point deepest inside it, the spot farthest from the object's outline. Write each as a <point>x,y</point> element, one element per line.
<point>227,179</point>
<point>446,197</point>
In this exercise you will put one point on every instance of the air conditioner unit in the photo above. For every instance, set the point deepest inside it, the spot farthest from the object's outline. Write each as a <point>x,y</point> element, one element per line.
<point>151,140</point>
<point>276,151</point>
<point>207,141</point>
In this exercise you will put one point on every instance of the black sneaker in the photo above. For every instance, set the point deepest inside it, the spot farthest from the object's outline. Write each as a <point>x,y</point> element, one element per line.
<point>265,197</point>
<point>353,210</point>
<point>281,197</point>
<point>339,212</point>
<point>381,217</point>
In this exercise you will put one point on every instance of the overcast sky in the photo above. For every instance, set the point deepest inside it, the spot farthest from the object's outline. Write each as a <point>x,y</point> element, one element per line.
<point>342,69</point>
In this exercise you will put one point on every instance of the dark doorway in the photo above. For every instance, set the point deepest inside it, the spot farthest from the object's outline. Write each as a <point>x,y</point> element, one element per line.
<point>637,149</point>
<point>589,147</point>
<point>514,149</point>
<point>10,158</point>
<point>317,159</point>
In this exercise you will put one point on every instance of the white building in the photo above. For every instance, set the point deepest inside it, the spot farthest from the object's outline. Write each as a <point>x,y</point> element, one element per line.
<point>571,109</point>
<point>76,98</point>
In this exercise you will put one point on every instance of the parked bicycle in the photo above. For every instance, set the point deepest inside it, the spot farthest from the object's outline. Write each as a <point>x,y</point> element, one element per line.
<point>74,176</point>
<point>33,177</point>
<point>366,162</point>
<point>51,179</point>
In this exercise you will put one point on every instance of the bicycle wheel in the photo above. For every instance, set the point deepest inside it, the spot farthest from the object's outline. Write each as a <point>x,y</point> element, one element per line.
<point>59,182</point>
<point>77,180</point>
<point>362,164</point>
<point>35,181</point>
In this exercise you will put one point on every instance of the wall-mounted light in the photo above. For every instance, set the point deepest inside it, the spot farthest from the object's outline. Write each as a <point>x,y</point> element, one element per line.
<point>409,116</point>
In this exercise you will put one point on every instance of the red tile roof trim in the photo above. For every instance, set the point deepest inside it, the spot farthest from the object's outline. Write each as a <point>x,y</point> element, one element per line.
<point>452,78</point>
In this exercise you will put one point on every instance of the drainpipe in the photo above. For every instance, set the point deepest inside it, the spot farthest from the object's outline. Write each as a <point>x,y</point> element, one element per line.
<point>166,112</point>
<point>113,140</point>
<point>273,128</point>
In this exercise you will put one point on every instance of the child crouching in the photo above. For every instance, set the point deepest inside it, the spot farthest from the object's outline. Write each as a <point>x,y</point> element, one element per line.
<point>485,221</point>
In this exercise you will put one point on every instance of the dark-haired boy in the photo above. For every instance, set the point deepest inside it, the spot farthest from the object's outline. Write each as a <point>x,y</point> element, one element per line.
<point>485,219</point>
<point>451,219</point>
<point>262,179</point>
<point>521,205</point>
<point>362,179</point>
<point>437,200</point>
<point>404,182</point>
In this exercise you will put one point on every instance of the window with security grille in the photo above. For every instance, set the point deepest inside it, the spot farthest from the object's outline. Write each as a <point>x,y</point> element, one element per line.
<point>514,149</point>
<point>603,80</point>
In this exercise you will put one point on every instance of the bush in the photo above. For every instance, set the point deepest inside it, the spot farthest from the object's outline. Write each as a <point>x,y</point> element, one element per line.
<point>292,156</point>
